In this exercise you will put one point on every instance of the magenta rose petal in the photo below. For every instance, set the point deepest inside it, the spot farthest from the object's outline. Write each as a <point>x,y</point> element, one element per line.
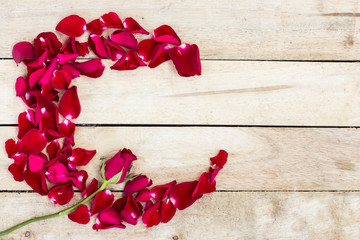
<point>61,79</point>
<point>125,39</point>
<point>80,215</point>
<point>213,172</point>
<point>220,159</point>
<point>115,52</point>
<point>64,58</point>
<point>166,34</point>
<point>161,191</point>
<point>110,216</point>
<point>12,147</point>
<point>152,216</point>
<point>23,51</point>
<point>33,142</point>
<point>18,167</point>
<point>147,49</point>
<point>71,69</point>
<point>143,196</point>
<point>102,201</point>
<point>21,87</point>
<point>136,184</point>
<point>181,194</point>
<point>78,179</point>
<point>73,26</point>
<point>39,61</point>
<point>168,211</point>
<point>161,55</point>
<point>133,26</point>
<point>131,212</point>
<point>36,75</point>
<point>95,27</point>
<point>36,161</point>
<point>111,20</point>
<point>81,157</point>
<point>93,186</point>
<point>53,149</point>
<point>45,79</point>
<point>57,173</point>
<point>36,180</point>
<point>186,59</point>
<point>67,129</point>
<point>61,194</point>
<point>97,44</point>
<point>92,68</point>
<point>69,105</point>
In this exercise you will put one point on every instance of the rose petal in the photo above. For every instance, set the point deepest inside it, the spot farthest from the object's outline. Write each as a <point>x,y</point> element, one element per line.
<point>36,180</point>
<point>111,20</point>
<point>93,186</point>
<point>80,215</point>
<point>36,162</point>
<point>61,79</point>
<point>147,49</point>
<point>114,165</point>
<point>82,48</point>
<point>213,172</point>
<point>220,159</point>
<point>47,41</point>
<point>133,26</point>
<point>36,75</point>
<point>64,58</point>
<point>69,105</point>
<point>95,27</point>
<point>131,212</point>
<point>167,211</point>
<point>120,204</point>
<point>61,194</point>
<point>181,194</point>
<point>124,38</point>
<point>18,167</point>
<point>33,142</point>
<point>102,201</point>
<point>143,196</point>
<point>110,216</point>
<point>162,55</point>
<point>73,26</point>
<point>57,173</point>
<point>12,147</point>
<point>21,87</point>
<point>78,179</point>
<point>186,59</point>
<point>67,129</point>
<point>166,34</point>
<point>92,68</point>
<point>148,204</point>
<point>71,69</point>
<point>29,99</point>
<point>45,79</point>
<point>161,191</point>
<point>39,61</point>
<point>128,157</point>
<point>102,226</point>
<point>129,61</point>
<point>152,216</point>
<point>23,51</point>
<point>53,149</point>
<point>115,52</point>
<point>49,92</point>
<point>97,44</point>
<point>81,157</point>
<point>136,184</point>
<point>204,185</point>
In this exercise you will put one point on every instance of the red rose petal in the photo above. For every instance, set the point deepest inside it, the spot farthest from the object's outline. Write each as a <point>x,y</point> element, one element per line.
<point>23,51</point>
<point>220,159</point>
<point>61,79</point>
<point>110,216</point>
<point>204,185</point>
<point>186,59</point>
<point>102,201</point>
<point>36,162</point>
<point>33,142</point>
<point>129,61</point>
<point>18,167</point>
<point>128,157</point>
<point>92,68</point>
<point>166,34</point>
<point>133,26</point>
<point>152,216</point>
<point>143,196</point>
<point>93,186</point>
<point>39,61</point>
<point>114,165</point>
<point>82,48</point>
<point>53,149</point>
<point>47,41</point>
<point>61,194</point>
<point>20,86</point>
<point>131,212</point>
<point>147,49</point>
<point>78,179</point>
<point>213,172</point>
<point>115,52</point>
<point>67,129</point>
<point>36,75</point>
<point>36,180</point>
<point>102,226</point>
<point>136,184</point>
<point>80,215</point>
<point>64,58</point>
<point>167,211</point>
<point>45,79</point>
<point>73,26</point>
<point>120,204</point>
<point>97,44</point>
<point>12,147</point>
<point>162,55</point>
<point>95,27</point>
<point>124,38</point>
<point>57,173</point>
<point>71,69</point>
<point>161,191</point>
<point>24,123</point>
<point>69,105</point>
<point>111,20</point>
<point>81,157</point>
<point>181,194</point>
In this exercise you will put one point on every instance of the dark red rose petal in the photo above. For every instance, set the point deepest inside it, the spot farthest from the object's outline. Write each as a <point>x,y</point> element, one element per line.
<point>120,204</point>
<point>131,212</point>
<point>147,49</point>
<point>102,201</point>
<point>102,226</point>
<point>148,204</point>
<point>204,185</point>
<point>136,184</point>
<point>162,55</point>
<point>61,194</point>
<point>57,173</point>
<point>20,86</point>
<point>47,41</point>
<point>97,44</point>
<point>152,216</point>
<point>92,68</point>
<point>36,180</point>
<point>26,122</point>
<point>181,194</point>
<point>67,129</point>
<point>82,48</point>
<point>93,186</point>
<point>220,159</point>
<point>53,149</point>
<point>80,215</point>
<point>111,20</point>
<point>78,179</point>
<point>33,142</point>
<point>81,157</point>
<point>166,34</point>
<point>124,38</point>
<point>12,147</point>
<point>129,61</point>
<point>133,26</point>
<point>167,211</point>
<point>69,105</point>
<point>36,162</point>
<point>95,27</point>
<point>73,26</point>
<point>161,191</point>
<point>23,51</point>
<point>18,167</point>
<point>186,59</point>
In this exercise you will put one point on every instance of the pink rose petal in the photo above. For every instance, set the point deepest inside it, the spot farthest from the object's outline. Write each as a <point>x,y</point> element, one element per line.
<point>220,159</point>
<point>45,79</point>
<point>93,186</point>
<point>181,194</point>
<point>33,142</point>
<point>167,211</point>
<point>152,216</point>
<point>161,191</point>
<point>81,215</point>
<point>136,184</point>
<point>92,68</point>
<point>81,157</point>
<point>102,201</point>
<point>23,51</point>
<point>166,34</point>
<point>111,20</point>
<point>124,38</point>
<point>18,167</point>
<point>97,44</point>
<point>12,147</point>
<point>161,55</point>
<point>36,162</point>
<point>35,76</point>
<point>61,194</point>
<point>21,87</point>
<point>133,26</point>
<point>57,173</point>
<point>186,59</point>
<point>73,26</point>
<point>69,105</point>
<point>36,180</point>
<point>95,27</point>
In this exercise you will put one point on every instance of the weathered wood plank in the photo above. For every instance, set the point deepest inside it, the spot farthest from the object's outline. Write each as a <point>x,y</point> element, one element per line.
<point>230,29</point>
<point>260,158</point>
<point>259,93</point>
<point>236,215</point>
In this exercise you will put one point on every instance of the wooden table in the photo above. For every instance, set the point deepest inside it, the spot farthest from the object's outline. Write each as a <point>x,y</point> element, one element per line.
<point>279,91</point>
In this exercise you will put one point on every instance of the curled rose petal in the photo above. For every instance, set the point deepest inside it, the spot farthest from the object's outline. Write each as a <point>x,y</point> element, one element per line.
<point>26,122</point>
<point>92,68</point>
<point>20,86</point>
<point>61,79</point>
<point>36,75</point>
<point>186,59</point>
<point>18,167</point>
<point>124,38</point>
<point>69,105</point>
<point>12,147</point>
<point>64,58</point>
<point>36,162</point>
<point>36,180</point>
<point>23,51</point>
<point>147,49</point>
<point>136,184</point>
<point>73,26</point>
<point>67,129</point>
<point>167,211</point>
<point>161,191</point>
<point>93,186</point>
<point>152,216</point>
<point>132,211</point>
<point>115,52</point>
<point>102,201</point>
<point>129,61</point>
<point>97,44</point>
<point>61,194</point>
<point>47,41</point>
<point>45,79</point>
<point>78,179</point>
<point>57,173</point>
<point>95,27</point>
<point>102,226</point>
<point>39,61</point>
<point>81,157</point>
<point>82,48</point>
<point>80,215</point>
<point>161,55</point>
<point>53,149</point>
<point>133,26</point>
<point>111,20</point>
<point>204,185</point>
<point>220,159</point>
<point>33,142</point>
<point>166,34</point>
<point>181,194</point>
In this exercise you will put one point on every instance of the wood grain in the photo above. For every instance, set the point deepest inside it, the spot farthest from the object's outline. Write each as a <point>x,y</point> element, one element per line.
<point>237,215</point>
<point>228,29</point>
<point>260,158</point>
<point>245,93</point>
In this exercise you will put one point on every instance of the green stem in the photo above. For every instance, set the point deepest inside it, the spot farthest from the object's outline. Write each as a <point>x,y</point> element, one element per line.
<point>36,219</point>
